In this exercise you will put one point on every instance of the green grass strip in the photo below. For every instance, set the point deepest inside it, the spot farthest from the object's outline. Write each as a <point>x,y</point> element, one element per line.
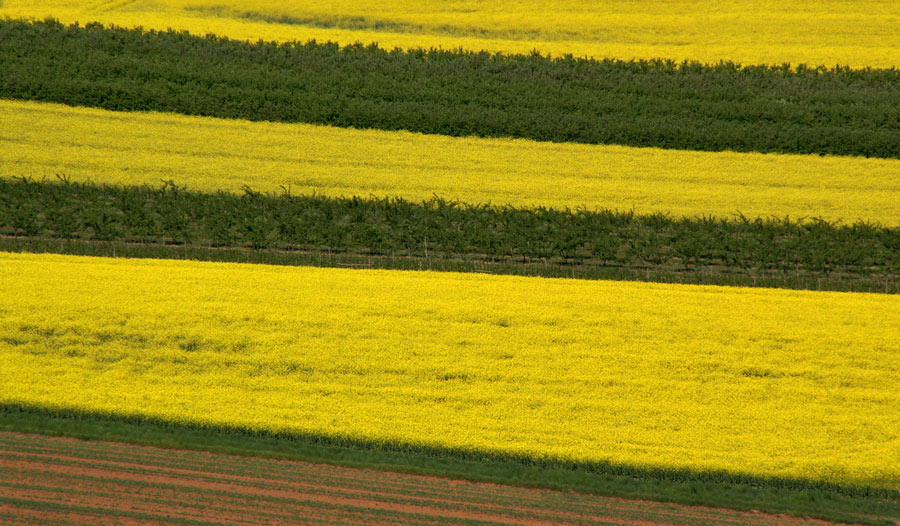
<point>172,222</point>
<point>449,263</point>
<point>717,489</point>
<point>659,103</point>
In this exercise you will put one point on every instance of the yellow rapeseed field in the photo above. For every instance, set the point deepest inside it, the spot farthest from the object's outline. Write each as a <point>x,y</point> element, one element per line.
<point>767,382</point>
<point>816,32</point>
<point>43,140</point>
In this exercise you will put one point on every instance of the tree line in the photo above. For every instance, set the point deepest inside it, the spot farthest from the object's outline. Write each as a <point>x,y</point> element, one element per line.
<point>395,227</point>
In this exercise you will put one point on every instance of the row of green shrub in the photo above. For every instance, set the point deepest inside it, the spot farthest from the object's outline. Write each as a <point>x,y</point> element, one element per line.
<point>639,103</point>
<point>396,227</point>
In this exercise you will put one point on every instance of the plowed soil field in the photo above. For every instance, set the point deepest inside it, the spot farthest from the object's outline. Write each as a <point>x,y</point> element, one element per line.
<point>50,480</point>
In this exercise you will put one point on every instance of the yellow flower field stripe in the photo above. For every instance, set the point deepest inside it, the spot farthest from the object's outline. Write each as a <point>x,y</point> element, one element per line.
<point>826,32</point>
<point>755,381</point>
<point>42,140</point>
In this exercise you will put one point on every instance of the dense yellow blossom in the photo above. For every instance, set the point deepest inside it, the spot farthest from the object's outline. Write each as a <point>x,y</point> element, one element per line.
<point>760,381</point>
<point>42,140</point>
<point>816,32</point>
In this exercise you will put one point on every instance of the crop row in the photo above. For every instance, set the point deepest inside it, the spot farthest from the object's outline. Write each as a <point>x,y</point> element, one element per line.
<point>738,382</point>
<point>133,482</point>
<point>248,487</point>
<point>638,103</point>
<point>210,154</point>
<point>439,228</point>
<point>817,32</point>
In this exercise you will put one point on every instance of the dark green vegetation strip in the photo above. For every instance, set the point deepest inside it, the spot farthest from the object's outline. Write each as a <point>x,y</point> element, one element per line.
<point>173,222</point>
<point>718,489</point>
<point>640,103</point>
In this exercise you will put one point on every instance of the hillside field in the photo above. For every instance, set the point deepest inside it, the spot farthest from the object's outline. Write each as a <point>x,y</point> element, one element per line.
<point>456,262</point>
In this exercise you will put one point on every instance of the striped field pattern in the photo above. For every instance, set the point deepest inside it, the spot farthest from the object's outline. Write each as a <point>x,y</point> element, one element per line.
<point>827,32</point>
<point>69,480</point>
<point>715,379</point>
<point>736,142</point>
<point>219,154</point>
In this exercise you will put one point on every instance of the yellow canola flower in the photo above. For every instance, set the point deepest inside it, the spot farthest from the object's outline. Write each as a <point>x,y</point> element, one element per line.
<point>42,140</point>
<point>757,381</point>
<point>816,32</point>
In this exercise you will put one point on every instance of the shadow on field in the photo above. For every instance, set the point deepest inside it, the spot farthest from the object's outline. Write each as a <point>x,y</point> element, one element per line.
<point>712,488</point>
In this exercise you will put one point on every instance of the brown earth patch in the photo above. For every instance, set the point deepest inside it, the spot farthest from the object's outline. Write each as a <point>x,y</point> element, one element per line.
<point>69,481</point>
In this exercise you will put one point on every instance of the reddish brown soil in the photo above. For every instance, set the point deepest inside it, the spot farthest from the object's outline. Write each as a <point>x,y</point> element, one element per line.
<point>48,480</point>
